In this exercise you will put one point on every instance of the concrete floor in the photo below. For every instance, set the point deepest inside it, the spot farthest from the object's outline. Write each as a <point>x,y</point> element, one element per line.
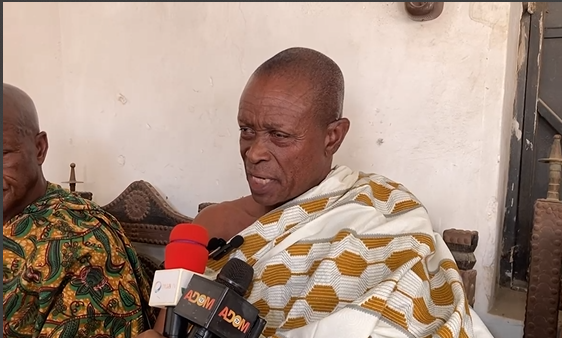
<point>505,319</point>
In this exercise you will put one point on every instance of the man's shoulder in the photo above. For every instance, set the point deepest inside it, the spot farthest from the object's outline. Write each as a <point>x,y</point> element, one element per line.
<point>385,194</point>
<point>375,177</point>
<point>382,180</point>
<point>227,218</point>
<point>68,199</point>
<point>218,212</point>
<point>242,204</point>
<point>64,212</point>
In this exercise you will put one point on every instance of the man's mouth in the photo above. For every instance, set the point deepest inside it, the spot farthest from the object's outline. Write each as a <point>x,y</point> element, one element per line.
<point>260,180</point>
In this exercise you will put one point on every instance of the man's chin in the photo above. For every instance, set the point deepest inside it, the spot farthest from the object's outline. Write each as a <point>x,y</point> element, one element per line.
<point>265,200</point>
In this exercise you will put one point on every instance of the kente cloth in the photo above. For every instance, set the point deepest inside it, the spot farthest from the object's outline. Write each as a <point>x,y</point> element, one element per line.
<point>69,271</point>
<point>355,257</point>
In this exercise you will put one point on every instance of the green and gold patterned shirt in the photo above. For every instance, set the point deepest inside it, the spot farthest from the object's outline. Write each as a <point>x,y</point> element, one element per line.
<point>69,271</point>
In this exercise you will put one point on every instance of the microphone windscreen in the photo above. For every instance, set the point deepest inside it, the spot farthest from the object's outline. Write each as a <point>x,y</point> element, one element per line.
<point>215,243</point>
<point>237,275</point>
<point>187,248</point>
<point>237,241</point>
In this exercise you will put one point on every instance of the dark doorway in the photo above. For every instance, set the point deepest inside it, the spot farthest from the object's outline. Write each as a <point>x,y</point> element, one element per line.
<point>538,113</point>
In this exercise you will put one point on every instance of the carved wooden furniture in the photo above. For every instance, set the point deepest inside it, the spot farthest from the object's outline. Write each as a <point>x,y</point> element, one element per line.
<point>147,220</point>
<point>462,244</point>
<point>543,293</point>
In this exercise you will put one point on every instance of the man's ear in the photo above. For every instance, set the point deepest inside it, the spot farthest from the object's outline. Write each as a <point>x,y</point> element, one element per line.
<point>335,135</point>
<point>42,145</point>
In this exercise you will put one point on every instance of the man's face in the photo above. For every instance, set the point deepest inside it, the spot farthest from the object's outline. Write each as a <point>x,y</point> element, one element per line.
<point>23,154</point>
<point>281,141</point>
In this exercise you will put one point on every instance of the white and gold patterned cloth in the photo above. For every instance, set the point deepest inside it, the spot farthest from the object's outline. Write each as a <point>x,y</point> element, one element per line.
<point>354,257</point>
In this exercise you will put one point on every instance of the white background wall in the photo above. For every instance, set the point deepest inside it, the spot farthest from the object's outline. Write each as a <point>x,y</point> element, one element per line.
<point>150,91</point>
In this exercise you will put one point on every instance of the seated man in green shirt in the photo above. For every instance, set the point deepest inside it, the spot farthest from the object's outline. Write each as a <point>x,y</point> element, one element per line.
<point>69,270</point>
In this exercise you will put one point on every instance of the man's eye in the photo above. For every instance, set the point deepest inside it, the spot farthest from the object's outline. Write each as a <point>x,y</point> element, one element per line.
<point>246,132</point>
<point>280,135</point>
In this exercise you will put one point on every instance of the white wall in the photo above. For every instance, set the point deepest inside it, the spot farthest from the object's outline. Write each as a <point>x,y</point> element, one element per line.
<point>150,91</point>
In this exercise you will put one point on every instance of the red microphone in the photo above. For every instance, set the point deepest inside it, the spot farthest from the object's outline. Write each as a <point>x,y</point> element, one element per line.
<point>187,248</point>
<point>185,255</point>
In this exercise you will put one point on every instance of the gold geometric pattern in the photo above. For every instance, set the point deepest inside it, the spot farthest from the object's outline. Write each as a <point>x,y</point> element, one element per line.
<point>286,234</point>
<point>442,295</point>
<point>351,264</point>
<point>354,266</point>
<point>380,192</point>
<point>445,332</point>
<point>363,198</point>
<point>289,305</point>
<point>314,206</point>
<point>419,270</point>
<point>300,249</point>
<point>294,323</point>
<point>427,240</point>
<point>399,258</point>
<point>380,306</point>
<point>271,218</point>
<point>276,274</point>
<point>421,312</point>
<point>217,265</point>
<point>404,206</point>
<point>322,298</point>
<point>255,243</point>
<point>262,307</point>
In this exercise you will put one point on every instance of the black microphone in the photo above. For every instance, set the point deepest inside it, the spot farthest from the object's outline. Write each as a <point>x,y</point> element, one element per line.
<point>215,243</point>
<point>224,249</point>
<point>217,309</point>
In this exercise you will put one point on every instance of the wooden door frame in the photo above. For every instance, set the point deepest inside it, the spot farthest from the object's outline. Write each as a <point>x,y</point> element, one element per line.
<point>520,178</point>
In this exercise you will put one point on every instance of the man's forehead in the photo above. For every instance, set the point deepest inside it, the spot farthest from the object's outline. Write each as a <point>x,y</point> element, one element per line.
<point>272,95</point>
<point>269,119</point>
<point>11,135</point>
<point>14,132</point>
<point>11,117</point>
<point>279,82</point>
<point>8,109</point>
<point>271,110</point>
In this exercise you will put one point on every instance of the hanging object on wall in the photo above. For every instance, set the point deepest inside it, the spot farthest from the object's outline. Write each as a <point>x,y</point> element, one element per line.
<point>72,184</point>
<point>424,11</point>
<point>72,181</point>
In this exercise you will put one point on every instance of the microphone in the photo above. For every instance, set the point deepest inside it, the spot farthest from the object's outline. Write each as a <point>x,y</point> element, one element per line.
<point>223,249</point>
<point>185,256</point>
<point>215,243</point>
<point>217,309</point>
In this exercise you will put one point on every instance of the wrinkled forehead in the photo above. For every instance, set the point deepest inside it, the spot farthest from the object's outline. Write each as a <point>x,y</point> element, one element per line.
<point>12,137</point>
<point>274,95</point>
<point>13,131</point>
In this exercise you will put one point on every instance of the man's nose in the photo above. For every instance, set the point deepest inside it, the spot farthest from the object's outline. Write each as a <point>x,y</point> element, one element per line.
<point>258,151</point>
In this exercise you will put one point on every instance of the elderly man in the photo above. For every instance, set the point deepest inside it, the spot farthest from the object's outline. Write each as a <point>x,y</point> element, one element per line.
<point>69,271</point>
<point>336,252</point>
